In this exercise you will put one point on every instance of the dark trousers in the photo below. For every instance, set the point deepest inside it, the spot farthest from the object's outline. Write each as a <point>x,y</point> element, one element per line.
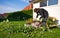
<point>44,23</point>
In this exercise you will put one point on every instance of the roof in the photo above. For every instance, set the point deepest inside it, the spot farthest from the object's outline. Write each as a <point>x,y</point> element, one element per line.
<point>35,1</point>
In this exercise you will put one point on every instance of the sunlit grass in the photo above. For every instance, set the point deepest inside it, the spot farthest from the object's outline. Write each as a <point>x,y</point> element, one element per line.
<point>16,29</point>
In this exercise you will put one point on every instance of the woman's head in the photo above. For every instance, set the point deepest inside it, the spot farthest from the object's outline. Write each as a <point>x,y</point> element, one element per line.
<point>36,9</point>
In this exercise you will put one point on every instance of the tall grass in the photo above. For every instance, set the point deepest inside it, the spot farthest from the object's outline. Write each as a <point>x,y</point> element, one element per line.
<point>16,29</point>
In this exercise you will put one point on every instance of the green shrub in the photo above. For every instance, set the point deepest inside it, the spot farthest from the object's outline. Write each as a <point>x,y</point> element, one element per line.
<point>52,21</point>
<point>30,20</point>
<point>17,29</point>
<point>20,15</point>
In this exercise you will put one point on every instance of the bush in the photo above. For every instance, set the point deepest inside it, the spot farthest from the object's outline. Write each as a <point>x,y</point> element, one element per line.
<point>15,30</point>
<point>20,15</point>
<point>52,21</point>
<point>30,20</point>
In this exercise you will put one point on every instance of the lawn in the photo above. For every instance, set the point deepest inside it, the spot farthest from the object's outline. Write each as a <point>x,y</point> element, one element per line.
<point>16,29</point>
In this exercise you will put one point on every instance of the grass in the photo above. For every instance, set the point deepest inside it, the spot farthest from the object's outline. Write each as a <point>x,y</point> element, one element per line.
<point>15,29</point>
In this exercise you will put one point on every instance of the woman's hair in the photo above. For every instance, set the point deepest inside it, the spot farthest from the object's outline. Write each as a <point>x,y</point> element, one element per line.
<point>36,9</point>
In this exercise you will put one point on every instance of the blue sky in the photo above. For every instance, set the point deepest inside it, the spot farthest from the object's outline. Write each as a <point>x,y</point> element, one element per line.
<point>12,5</point>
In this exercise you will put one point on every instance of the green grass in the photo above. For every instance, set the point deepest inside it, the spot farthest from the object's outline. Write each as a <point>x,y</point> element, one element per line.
<point>16,29</point>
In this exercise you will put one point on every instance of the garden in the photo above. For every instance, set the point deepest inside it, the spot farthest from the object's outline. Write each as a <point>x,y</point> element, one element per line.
<point>11,28</point>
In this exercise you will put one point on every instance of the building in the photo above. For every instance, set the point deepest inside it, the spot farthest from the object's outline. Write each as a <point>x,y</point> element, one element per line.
<point>3,15</point>
<point>30,6</point>
<point>52,6</point>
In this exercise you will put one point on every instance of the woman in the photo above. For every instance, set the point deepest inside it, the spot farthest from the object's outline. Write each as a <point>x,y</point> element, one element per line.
<point>44,16</point>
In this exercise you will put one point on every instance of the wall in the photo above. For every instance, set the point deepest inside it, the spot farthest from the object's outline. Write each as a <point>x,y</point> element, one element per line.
<point>58,2</point>
<point>36,5</point>
<point>53,10</point>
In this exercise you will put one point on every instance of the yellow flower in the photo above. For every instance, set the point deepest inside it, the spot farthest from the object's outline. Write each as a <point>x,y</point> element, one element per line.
<point>54,19</point>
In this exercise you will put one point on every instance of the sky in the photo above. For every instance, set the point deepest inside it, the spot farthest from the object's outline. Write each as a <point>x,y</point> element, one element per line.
<point>7,6</point>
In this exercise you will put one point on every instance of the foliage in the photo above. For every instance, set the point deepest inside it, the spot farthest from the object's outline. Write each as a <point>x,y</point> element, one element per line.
<point>30,20</point>
<point>52,21</point>
<point>20,15</point>
<point>16,29</point>
<point>28,12</point>
<point>1,19</point>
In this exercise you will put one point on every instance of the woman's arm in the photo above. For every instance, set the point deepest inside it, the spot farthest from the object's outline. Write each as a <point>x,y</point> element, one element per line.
<point>37,15</point>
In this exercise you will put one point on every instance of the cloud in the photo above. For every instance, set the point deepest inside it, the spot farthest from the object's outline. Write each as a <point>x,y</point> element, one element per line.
<point>5,9</point>
<point>9,7</point>
<point>14,5</point>
<point>27,1</point>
